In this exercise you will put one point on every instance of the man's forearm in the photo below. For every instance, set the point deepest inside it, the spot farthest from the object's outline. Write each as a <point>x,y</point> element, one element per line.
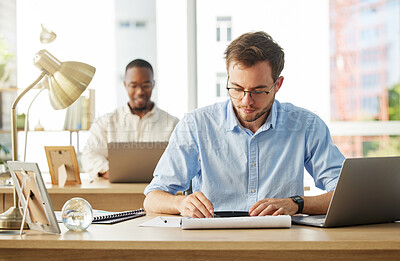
<point>158,201</point>
<point>317,204</point>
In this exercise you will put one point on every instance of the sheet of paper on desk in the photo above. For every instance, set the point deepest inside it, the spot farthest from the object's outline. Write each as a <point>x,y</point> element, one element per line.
<point>283,221</point>
<point>163,222</point>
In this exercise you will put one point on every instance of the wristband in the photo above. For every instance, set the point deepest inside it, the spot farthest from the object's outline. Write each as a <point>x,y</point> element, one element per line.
<point>300,202</point>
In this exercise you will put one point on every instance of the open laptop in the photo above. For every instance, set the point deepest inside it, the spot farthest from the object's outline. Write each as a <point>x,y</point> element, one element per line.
<point>367,192</point>
<point>133,162</point>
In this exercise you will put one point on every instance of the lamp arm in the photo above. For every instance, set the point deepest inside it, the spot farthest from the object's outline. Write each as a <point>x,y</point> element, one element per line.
<point>27,121</point>
<point>14,116</point>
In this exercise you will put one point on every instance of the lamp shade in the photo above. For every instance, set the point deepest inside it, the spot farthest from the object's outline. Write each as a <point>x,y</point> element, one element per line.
<point>67,80</point>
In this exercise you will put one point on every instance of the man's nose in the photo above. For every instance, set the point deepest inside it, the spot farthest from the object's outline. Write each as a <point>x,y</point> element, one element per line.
<point>140,90</point>
<point>247,100</point>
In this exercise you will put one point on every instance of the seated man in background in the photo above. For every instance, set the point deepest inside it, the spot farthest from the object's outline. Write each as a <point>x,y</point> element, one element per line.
<point>248,153</point>
<point>138,120</point>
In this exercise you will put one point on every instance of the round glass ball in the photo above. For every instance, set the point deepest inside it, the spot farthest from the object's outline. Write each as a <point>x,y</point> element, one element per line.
<point>77,214</point>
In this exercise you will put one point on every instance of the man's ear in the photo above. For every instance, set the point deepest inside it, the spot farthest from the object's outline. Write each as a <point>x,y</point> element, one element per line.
<point>279,84</point>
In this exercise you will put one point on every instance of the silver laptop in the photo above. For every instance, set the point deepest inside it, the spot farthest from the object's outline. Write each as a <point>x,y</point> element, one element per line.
<point>367,192</point>
<point>133,162</point>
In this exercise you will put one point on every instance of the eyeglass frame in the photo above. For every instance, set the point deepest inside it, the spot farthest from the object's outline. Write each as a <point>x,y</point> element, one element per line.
<point>250,92</point>
<point>144,88</point>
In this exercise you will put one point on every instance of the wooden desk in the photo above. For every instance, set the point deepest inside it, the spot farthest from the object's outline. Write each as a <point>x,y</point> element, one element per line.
<point>100,193</point>
<point>126,241</point>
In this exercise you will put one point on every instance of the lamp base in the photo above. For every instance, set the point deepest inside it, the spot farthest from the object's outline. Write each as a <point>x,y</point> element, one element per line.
<point>11,219</point>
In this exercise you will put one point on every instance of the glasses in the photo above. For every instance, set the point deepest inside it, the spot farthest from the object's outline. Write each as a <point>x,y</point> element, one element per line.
<point>238,93</point>
<point>144,86</point>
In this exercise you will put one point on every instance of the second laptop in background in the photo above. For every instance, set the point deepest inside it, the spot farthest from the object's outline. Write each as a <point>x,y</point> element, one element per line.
<point>133,162</point>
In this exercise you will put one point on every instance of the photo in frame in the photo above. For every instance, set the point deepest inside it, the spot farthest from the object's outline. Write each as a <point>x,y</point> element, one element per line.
<point>33,196</point>
<point>63,165</point>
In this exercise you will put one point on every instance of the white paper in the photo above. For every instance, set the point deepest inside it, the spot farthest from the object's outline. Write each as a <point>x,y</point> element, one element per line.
<point>160,222</point>
<point>283,221</point>
<point>62,175</point>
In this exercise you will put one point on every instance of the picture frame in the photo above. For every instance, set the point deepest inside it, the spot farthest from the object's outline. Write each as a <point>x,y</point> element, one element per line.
<point>34,198</point>
<point>63,158</point>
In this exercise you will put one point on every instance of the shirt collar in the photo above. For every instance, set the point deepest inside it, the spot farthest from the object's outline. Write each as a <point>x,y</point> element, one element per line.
<point>271,120</point>
<point>232,121</point>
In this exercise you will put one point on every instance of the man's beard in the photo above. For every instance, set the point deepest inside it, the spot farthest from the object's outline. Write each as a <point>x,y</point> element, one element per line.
<point>140,108</point>
<point>256,117</point>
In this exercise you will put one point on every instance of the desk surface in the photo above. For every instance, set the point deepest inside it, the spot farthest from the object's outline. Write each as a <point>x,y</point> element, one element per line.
<point>100,193</point>
<point>97,185</point>
<point>127,239</point>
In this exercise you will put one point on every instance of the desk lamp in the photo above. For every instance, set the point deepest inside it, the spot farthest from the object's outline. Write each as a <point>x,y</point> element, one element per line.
<point>67,81</point>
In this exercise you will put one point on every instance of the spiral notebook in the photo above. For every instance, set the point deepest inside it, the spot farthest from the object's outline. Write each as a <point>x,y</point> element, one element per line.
<point>115,217</point>
<point>106,217</point>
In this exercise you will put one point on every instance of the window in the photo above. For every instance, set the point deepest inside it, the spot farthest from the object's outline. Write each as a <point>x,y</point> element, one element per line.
<point>369,81</point>
<point>224,29</point>
<point>373,60</point>
<point>132,24</point>
<point>370,107</point>
<point>370,58</point>
<point>220,85</point>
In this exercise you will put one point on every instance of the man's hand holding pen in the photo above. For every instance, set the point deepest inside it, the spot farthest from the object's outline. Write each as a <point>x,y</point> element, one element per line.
<point>196,205</point>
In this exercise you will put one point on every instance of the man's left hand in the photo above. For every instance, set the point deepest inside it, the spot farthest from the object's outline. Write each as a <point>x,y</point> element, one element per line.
<point>274,207</point>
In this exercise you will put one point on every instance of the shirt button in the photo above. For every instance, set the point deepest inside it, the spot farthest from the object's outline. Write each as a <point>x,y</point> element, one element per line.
<point>253,164</point>
<point>252,191</point>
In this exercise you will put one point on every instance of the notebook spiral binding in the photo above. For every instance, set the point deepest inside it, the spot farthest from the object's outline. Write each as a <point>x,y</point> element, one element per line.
<point>120,214</point>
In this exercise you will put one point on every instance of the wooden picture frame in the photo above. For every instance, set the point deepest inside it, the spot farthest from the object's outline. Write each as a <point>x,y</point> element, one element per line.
<point>63,155</point>
<point>33,196</point>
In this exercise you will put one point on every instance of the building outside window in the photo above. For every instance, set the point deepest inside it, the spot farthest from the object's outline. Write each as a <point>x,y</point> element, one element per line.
<point>365,58</point>
<point>224,29</point>
<point>221,85</point>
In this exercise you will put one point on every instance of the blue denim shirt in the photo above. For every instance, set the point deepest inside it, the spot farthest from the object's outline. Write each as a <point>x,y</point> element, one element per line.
<point>235,167</point>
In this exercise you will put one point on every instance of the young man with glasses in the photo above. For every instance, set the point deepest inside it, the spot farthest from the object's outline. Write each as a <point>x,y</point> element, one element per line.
<point>248,153</point>
<point>138,120</point>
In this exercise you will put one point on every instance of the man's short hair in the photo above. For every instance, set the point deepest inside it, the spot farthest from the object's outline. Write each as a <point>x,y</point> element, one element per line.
<point>139,63</point>
<point>251,48</point>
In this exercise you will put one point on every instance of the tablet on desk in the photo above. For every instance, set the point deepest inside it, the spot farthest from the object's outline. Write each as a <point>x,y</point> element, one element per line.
<point>220,214</point>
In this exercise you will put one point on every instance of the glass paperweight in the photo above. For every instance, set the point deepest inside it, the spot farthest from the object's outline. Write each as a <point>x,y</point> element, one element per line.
<point>77,214</point>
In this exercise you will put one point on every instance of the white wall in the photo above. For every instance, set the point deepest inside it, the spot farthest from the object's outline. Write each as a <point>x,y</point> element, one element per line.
<point>296,26</point>
<point>172,56</point>
<point>133,42</point>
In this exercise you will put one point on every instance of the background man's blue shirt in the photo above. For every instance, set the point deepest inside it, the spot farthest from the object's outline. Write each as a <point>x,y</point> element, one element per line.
<point>235,168</point>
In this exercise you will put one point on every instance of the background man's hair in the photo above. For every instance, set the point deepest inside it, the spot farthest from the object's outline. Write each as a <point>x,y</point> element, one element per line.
<point>139,63</point>
<point>251,48</point>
